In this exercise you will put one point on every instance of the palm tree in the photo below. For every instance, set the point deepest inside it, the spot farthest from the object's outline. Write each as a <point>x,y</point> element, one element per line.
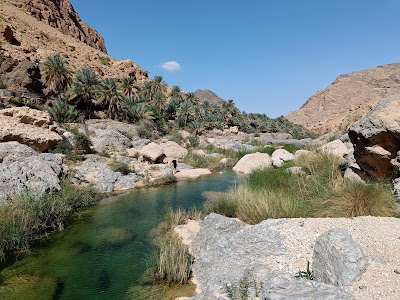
<point>192,98</point>
<point>137,111</point>
<point>83,88</point>
<point>146,91</point>
<point>108,94</point>
<point>159,103</point>
<point>185,111</point>
<point>128,85</point>
<point>176,93</point>
<point>56,73</point>
<point>158,85</point>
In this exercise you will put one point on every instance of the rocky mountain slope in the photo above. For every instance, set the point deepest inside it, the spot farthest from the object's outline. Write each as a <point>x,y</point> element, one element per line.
<point>207,95</point>
<point>30,31</point>
<point>349,97</point>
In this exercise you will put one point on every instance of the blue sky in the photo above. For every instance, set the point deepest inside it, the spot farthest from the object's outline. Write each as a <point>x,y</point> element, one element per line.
<point>268,56</point>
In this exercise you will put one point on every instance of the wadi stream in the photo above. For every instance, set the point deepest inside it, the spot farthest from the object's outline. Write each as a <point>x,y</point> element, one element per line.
<point>106,250</point>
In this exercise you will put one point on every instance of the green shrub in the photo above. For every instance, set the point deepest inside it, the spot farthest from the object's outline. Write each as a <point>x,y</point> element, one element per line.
<point>198,161</point>
<point>147,129</point>
<point>105,60</point>
<point>82,142</point>
<point>62,148</point>
<point>121,167</point>
<point>63,112</point>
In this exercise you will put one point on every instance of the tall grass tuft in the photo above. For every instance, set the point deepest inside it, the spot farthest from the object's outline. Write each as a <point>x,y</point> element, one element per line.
<point>320,192</point>
<point>175,261</point>
<point>30,217</point>
<point>355,198</point>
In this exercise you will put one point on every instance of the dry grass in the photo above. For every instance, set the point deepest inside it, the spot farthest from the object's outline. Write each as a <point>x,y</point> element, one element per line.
<point>353,198</point>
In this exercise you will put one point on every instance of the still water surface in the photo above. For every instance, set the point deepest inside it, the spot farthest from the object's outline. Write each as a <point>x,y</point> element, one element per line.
<point>106,251</point>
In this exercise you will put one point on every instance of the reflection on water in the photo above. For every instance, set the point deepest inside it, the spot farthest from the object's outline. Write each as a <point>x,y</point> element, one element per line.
<point>106,251</point>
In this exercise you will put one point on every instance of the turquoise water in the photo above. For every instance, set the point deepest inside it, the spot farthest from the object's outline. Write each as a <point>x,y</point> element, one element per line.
<point>107,249</point>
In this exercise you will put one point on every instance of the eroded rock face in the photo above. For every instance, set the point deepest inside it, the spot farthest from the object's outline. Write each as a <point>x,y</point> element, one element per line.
<point>349,98</point>
<point>61,15</point>
<point>253,161</point>
<point>376,139</point>
<point>22,170</point>
<point>30,127</point>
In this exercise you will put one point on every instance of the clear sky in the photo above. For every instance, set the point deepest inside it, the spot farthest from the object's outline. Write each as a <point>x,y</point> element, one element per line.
<point>268,56</point>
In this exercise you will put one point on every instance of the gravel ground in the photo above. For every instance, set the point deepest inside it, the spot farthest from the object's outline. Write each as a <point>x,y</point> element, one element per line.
<point>378,237</point>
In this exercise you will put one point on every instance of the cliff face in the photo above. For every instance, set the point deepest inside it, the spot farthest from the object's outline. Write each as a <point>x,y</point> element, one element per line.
<point>61,15</point>
<point>31,31</point>
<point>347,99</point>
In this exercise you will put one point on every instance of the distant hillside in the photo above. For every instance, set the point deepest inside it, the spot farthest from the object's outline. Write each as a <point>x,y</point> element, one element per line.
<point>32,30</point>
<point>347,99</point>
<point>207,95</point>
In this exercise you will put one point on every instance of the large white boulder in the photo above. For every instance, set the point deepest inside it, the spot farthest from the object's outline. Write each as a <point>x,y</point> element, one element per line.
<point>253,161</point>
<point>173,150</point>
<point>152,152</point>
<point>279,156</point>
<point>336,147</point>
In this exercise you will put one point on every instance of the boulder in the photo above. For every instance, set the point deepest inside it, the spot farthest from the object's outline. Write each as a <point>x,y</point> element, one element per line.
<point>253,161</point>
<point>376,139</point>
<point>96,170</point>
<point>24,170</point>
<point>108,140</point>
<point>28,126</point>
<point>279,156</point>
<point>336,147</point>
<point>226,250</point>
<point>352,173</point>
<point>152,152</point>
<point>172,150</point>
<point>337,258</point>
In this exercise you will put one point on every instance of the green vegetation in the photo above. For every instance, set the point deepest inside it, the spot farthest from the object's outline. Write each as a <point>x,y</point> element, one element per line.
<point>105,60</point>
<point>30,217</point>
<point>162,110</point>
<point>306,274</point>
<point>56,74</point>
<point>121,167</point>
<point>174,261</point>
<point>246,288</point>
<point>319,192</point>
<point>63,112</point>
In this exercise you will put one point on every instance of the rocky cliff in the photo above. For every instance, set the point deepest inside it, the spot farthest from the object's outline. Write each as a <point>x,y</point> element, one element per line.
<point>61,15</point>
<point>348,98</point>
<point>31,31</point>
